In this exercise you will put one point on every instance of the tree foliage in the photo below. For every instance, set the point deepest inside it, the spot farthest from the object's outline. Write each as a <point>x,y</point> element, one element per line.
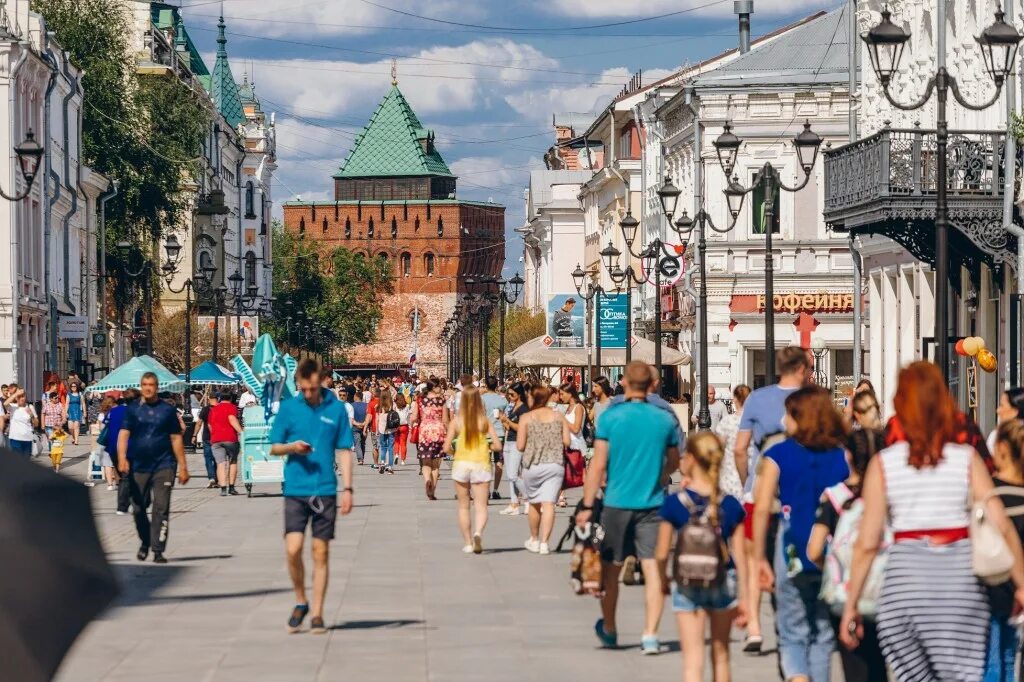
<point>340,292</point>
<point>521,325</point>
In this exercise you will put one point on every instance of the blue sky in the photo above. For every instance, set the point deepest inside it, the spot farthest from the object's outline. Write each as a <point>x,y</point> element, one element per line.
<point>485,75</point>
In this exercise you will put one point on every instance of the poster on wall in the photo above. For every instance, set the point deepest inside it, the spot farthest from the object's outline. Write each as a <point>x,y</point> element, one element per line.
<point>231,333</point>
<point>565,323</point>
<point>612,322</point>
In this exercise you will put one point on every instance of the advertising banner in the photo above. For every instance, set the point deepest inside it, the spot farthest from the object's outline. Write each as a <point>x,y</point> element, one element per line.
<point>73,327</point>
<point>611,323</point>
<point>230,332</point>
<point>565,320</point>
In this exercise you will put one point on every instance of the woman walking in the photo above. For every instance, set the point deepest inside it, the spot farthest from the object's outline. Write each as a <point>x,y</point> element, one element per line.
<point>402,437</point>
<point>23,422</point>
<point>471,439</point>
<point>74,407</point>
<point>517,407</point>
<point>1010,408</point>
<point>796,472</point>
<point>727,429</point>
<point>432,417</point>
<point>543,434</point>
<point>602,394</point>
<point>387,425</point>
<point>933,613</point>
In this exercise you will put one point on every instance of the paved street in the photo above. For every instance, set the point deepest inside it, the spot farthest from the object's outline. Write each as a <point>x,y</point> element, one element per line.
<point>404,602</point>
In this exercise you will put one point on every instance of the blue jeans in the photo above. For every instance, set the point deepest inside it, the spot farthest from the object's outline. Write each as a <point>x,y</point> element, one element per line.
<point>1002,651</point>
<point>211,465</point>
<point>386,447</point>
<point>806,639</point>
<point>22,447</point>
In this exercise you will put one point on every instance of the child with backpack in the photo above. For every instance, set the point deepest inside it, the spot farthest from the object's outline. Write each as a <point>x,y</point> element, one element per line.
<point>387,424</point>
<point>831,546</point>
<point>709,562</point>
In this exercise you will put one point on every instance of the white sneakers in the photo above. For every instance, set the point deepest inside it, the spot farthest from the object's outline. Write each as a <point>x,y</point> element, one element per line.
<point>468,549</point>
<point>544,550</point>
<point>532,545</point>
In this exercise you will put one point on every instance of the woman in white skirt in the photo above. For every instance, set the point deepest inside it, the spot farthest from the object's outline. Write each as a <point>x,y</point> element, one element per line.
<point>517,407</point>
<point>542,436</point>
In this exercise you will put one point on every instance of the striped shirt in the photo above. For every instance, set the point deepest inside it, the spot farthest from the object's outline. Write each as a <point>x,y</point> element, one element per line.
<point>929,498</point>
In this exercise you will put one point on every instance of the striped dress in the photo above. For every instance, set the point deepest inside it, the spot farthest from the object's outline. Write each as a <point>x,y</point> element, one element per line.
<point>933,614</point>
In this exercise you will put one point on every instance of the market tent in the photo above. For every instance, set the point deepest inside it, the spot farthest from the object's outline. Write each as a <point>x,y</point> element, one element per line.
<point>210,373</point>
<point>129,374</point>
<point>534,353</point>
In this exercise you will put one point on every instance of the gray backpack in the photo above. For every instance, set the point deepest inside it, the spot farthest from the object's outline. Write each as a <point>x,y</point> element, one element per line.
<point>700,555</point>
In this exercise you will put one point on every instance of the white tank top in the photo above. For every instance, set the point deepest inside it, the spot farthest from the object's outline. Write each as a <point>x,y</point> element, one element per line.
<point>930,498</point>
<point>576,440</point>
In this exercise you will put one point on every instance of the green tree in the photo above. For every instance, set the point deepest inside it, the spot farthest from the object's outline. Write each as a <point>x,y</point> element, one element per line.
<point>340,292</point>
<point>521,325</point>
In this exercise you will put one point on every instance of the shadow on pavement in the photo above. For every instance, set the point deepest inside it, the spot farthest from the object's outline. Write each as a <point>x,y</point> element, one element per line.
<point>202,558</point>
<point>372,624</point>
<point>220,595</point>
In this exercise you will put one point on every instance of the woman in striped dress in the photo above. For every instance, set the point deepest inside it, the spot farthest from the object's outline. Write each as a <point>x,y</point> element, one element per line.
<point>933,614</point>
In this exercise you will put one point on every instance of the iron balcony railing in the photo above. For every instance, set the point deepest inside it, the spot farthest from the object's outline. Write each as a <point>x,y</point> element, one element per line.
<point>899,163</point>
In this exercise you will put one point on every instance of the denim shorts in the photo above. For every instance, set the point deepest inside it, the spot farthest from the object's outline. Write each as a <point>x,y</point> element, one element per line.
<point>693,598</point>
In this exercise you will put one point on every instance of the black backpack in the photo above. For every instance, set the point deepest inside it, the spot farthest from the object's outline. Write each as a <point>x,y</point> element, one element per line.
<point>394,421</point>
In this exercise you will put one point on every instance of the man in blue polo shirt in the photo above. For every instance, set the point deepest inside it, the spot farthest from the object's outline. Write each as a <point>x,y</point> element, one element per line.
<point>309,430</point>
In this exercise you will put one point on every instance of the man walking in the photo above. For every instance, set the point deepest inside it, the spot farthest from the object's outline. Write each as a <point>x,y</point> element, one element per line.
<point>495,404</point>
<point>151,438</point>
<point>716,408</point>
<point>202,432</point>
<point>224,432</point>
<point>310,430</point>
<point>636,445</point>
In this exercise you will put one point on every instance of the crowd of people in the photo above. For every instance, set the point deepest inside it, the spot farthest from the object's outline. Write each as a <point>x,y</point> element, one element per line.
<point>848,519</point>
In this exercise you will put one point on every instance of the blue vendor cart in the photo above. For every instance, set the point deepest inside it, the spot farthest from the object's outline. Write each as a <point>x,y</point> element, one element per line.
<point>258,465</point>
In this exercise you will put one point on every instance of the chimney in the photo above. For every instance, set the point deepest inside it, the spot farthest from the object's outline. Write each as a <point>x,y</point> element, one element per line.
<point>744,8</point>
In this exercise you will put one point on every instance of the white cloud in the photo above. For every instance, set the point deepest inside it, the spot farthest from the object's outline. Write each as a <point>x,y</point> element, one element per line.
<point>305,140</point>
<point>650,8</point>
<point>540,102</point>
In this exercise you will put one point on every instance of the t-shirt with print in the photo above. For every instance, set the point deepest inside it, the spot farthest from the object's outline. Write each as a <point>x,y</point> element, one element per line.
<point>151,426</point>
<point>495,401</point>
<point>803,476</point>
<point>638,434</point>
<point>730,511</point>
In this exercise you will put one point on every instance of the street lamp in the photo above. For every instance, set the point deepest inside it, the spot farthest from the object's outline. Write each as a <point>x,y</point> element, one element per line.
<point>508,293</point>
<point>768,179</point>
<point>593,299</point>
<point>126,249</point>
<point>818,349</point>
<point>202,283</point>
<point>886,42</point>
<point>28,153</point>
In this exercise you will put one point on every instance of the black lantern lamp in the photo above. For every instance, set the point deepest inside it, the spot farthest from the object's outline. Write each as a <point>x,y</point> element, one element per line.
<point>734,195</point>
<point>172,248</point>
<point>728,146</point>
<point>807,144</point>
<point>999,46</point>
<point>668,194</point>
<point>577,278</point>
<point>610,255</point>
<point>629,225</point>
<point>886,42</point>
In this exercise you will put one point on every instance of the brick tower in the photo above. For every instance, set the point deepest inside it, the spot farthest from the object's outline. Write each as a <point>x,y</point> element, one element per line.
<point>395,198</point>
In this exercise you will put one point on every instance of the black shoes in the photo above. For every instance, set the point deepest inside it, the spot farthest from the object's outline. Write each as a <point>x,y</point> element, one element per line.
<point>231,490</point>
<point>298,615</point>
<point>224,491</point>
<point>495,495</point>
<point>142,553</point>
<point>159,558</point>
<point>317,627</point>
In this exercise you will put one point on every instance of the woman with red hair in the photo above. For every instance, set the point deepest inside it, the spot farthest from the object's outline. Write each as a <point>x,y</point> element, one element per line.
<point>933,613</point>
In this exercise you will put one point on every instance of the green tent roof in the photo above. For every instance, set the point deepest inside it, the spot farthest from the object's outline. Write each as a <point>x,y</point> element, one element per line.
<point>223,88</point>
<point>390,144</point>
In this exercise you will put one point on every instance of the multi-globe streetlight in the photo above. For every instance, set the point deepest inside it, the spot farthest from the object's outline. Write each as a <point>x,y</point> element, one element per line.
<point>201,284</point>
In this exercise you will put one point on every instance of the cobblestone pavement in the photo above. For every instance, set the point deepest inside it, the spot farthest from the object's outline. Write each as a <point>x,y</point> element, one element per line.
<point>404,603</point>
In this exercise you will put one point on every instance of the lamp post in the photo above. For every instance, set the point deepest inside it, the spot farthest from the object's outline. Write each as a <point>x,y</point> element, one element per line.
<point>819,350</point>
<point>145,272</point>
<point>508,293</point>
<point>28,153</point>
<point>886,42</point>
<point>593,299</point>
<point>248,302</point>
<point>768,179</point>
<point>200,284</point>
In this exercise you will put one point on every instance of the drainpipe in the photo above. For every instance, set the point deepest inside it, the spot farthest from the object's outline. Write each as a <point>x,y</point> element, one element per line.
<point>103,199</point>
<point>49,202</point>
<point>858,262</point>
<point>1009,175</point>
<point>744,8</point>
<point>67,219</point>
<point>15,256</point>
<point>698,205</point>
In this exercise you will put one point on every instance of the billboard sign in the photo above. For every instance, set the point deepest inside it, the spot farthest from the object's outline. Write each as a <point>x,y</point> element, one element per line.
<point>611,323</point>
<point>230,332</point>
<point>565,320</point>
<point>73,327</point>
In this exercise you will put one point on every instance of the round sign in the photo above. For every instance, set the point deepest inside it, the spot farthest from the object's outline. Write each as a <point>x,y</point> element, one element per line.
<point>669,267</point>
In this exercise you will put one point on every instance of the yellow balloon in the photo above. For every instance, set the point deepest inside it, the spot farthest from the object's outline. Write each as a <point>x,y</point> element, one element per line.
<point>973,344</point>
<point>987,360</point>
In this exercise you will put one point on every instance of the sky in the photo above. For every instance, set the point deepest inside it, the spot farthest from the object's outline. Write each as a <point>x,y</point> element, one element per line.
<point>485,75</point>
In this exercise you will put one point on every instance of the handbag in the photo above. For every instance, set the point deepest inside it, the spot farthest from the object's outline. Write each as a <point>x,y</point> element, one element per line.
<point>575,469</point>
<point>414,434</point>
<point>991,557</point>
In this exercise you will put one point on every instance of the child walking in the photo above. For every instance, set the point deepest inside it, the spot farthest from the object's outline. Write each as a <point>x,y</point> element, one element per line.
<point>708,577</point>
<point>57,446</point>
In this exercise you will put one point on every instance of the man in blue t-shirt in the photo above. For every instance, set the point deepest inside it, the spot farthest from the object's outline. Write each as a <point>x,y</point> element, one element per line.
<point>150,436</point>
<point>313,431</point>
<point>637,445</point>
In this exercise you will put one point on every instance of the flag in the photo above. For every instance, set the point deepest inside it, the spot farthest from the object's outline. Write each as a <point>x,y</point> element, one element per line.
<point>412,358</point>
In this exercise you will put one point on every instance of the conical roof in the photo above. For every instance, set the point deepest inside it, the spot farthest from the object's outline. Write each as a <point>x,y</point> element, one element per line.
<point>223,88</point>
<point>392,144</point>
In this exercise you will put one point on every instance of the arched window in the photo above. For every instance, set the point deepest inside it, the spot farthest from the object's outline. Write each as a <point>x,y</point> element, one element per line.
<point>348,228</point>
<point>250,269</point>
<point>406,264</point>
<point>360,254</point>
<point>206,250</point>
<point>440,226</point>
<point>394,227</point>
<point>369,229</point>
<point>302,227</point>
<point>250,200</point>
<point>428,264</point>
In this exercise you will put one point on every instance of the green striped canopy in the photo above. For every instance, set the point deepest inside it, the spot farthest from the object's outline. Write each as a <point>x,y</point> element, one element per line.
<point>130,373</point>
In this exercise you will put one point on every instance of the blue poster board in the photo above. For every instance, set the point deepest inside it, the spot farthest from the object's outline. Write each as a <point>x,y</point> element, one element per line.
<point>611,323</point>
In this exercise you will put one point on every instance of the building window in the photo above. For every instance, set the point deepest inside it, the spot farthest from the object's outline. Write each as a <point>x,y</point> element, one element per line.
<point>406,264</point>
<point>417,224</point>
<point>348,228</point>
<point>627,149</point>
<point>250,200</point>
<point>302,227</point>
<point>394,227</point>
<point>440,226</point>
<point>756,367</point>
<point>250,269</point>
<point>758,213</point>
<point>428,264</point>
<point>369,229</point>
<point>325,224</point>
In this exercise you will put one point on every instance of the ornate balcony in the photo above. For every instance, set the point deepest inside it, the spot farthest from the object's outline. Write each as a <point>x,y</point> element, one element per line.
<point>886,184</point>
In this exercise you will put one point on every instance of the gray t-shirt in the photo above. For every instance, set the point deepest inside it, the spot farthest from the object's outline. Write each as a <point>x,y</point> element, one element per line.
<point>718,411</point>
<point>492,402</point>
